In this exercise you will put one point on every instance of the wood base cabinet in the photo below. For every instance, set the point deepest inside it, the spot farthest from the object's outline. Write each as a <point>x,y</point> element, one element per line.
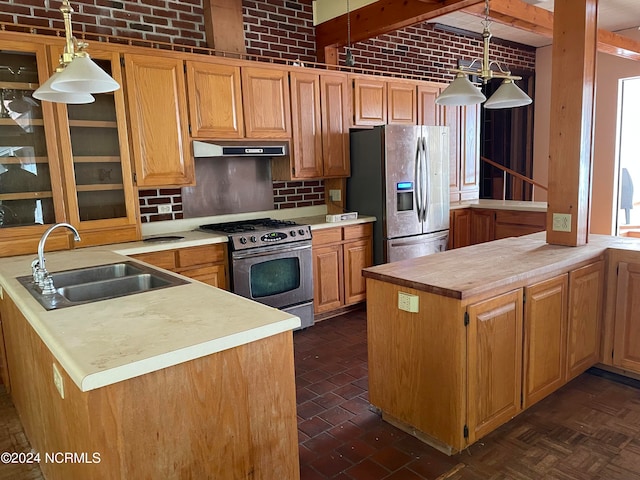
<point>458,368</point>
<point>494,340</point>
<point>207,263</point>
<point>231,414</point>
<point>626,347</point>
<point>339,255</point>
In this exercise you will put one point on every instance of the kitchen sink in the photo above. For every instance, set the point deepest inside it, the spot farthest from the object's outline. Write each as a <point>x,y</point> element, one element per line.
<point>92,284</point>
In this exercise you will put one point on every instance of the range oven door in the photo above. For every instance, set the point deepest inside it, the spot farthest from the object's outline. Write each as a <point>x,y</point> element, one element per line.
<point>279,276</point>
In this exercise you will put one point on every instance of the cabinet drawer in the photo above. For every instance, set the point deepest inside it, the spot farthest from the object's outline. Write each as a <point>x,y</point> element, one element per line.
<point>327,235</point>
<point>358,231</point>
<point>165,259</point>
<point>191,256</point>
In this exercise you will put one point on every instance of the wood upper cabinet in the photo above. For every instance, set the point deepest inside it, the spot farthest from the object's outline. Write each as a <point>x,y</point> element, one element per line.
<point>94,147</point>
<point>545,338</point>
<point>428,112</point>
<point>157,101</point>
<point>267,105</point>
<point>464,151</point>
<point>306,145</point>
<point>335,100</point>
<point>626,348</point>
<point>215,100</point>
<point>494,356</point>
<point>586,287</point>
<point>402,103</point>
<point>369,101</point>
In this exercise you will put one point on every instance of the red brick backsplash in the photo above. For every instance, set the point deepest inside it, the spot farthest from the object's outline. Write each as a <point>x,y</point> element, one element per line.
<point>285,195</point>
<point>298,194</point>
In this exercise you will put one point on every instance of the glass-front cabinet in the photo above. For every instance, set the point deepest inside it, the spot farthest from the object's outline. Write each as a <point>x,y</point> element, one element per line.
<point>95,161</point>
<point>31,193</point>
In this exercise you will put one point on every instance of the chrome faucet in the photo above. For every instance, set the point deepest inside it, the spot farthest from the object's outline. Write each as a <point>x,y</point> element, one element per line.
<point>40,275</point>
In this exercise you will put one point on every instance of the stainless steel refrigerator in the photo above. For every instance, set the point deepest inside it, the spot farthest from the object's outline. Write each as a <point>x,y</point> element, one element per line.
<point>400,174</point>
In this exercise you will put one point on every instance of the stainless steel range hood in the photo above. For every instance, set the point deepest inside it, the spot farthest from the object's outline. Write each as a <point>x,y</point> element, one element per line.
<point>240,148</point>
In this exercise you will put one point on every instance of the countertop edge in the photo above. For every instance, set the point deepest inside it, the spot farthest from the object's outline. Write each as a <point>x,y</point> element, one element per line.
<point>514,205</point>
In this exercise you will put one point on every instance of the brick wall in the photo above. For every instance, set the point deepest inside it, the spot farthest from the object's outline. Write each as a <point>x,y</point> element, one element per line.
<point>274,28</point>
<point>430,51</point>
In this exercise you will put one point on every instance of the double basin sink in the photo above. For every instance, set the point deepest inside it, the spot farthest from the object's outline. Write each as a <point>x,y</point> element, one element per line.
<point>91,284</point>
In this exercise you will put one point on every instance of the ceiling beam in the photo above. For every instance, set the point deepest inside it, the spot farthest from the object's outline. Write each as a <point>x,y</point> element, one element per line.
<point>521,15</point>
<point>383,17</point>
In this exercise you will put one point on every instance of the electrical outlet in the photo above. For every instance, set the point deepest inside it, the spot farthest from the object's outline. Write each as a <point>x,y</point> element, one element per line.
<point>561,222</point>
<point>58,381</point>
<point>408,302</point>
<point>164,208</point>
<point>335,195</point>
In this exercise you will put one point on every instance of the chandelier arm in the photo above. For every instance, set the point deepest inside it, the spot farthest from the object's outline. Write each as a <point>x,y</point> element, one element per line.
<point>69,48</point>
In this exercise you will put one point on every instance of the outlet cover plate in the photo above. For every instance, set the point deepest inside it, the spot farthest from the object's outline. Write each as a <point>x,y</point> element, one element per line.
<point>164,208</point>
<point>408,302</point>
<point>58,381</point>
<point>561,222</point>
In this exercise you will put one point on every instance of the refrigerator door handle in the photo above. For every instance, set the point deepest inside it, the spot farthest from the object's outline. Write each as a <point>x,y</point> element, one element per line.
<point>427,184</point>
<point>418,175</point>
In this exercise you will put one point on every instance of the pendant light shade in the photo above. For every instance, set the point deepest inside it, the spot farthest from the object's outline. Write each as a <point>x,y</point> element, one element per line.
<point>82,75</point>
<point>461,92</point>
<point>45,92</point>
<point>508,95</point>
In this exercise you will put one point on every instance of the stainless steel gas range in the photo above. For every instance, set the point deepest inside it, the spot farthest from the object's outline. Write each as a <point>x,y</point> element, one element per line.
<point>271,263</point>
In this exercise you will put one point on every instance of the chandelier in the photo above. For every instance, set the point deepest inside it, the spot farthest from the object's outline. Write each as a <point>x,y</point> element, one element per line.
<point>462,92</point>
<point>77,76</point>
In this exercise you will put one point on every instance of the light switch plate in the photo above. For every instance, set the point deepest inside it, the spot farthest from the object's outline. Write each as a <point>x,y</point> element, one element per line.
<point>561,222</point>
<point>335,195</point>
<point>408,302</point>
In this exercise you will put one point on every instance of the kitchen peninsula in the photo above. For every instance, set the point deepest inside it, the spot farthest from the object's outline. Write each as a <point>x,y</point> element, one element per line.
<point>462,341</point>
<point>184,382</point>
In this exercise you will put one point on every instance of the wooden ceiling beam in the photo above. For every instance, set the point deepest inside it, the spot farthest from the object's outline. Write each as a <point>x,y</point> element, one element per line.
<point>383,17</point>
<point>521,15</point>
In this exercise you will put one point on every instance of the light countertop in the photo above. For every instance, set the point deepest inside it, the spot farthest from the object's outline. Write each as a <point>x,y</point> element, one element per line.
<point>501,205</point>
<point>112,340</point>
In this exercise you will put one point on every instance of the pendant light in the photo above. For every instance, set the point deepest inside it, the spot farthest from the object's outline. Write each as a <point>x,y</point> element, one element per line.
<point>349,61</point>
<point>462,92</point>
<point>77,76</point>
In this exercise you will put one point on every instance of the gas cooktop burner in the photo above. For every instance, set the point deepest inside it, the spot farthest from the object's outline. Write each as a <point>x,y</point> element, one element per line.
<point>260,232</point>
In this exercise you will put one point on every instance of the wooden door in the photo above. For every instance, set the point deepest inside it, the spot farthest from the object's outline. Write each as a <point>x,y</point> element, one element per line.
<point>584,331</point>
<point>328,287</point>
<point>401,103</point>
<point>626,347</point>
<point>357,255</point>
<point>428,111</point>
<point>306,147</point>
<point>461,228</point>
<point>215,100</point>
<point>494,373</point>
<point>267,105</point>
<point>545,338</point>
<point>336,113</point>
<point>469,152</point>
<point>369,101</point>
<point>482,225</point>
<point>158,121</point>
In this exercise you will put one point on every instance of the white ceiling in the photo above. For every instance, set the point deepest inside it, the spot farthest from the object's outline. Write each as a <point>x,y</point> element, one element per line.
<point>613,15</point>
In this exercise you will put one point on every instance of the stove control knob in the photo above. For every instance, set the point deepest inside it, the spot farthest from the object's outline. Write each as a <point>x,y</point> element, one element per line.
<point>301,232</point>
<point>243,240</point>
<point>292,233</point>
<point>254,239</point>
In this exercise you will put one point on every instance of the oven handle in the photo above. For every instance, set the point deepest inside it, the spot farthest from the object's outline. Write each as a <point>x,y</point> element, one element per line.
<point>271,250</point>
